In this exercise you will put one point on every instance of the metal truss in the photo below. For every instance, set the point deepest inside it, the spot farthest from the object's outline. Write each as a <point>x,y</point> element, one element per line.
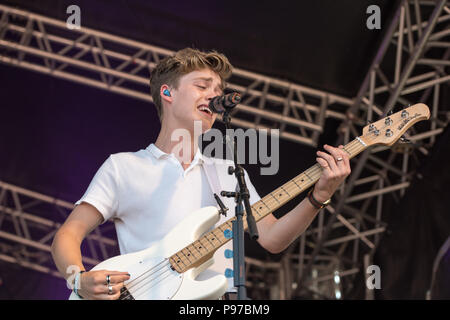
<point>28,222</point>
<point>325,261</point>
<point>123,66</point>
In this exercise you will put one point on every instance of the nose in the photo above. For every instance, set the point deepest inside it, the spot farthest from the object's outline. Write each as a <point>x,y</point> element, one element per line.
<point>211,94</point>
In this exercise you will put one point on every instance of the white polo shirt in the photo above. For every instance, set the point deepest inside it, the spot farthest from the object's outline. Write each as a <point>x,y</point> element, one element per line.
<point>147,193</point>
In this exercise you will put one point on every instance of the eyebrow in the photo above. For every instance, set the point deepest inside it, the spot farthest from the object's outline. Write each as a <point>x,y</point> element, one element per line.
<point>204,78</point>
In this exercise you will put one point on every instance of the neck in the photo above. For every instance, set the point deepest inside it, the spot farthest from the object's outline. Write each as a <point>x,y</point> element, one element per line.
<point>178,140</point>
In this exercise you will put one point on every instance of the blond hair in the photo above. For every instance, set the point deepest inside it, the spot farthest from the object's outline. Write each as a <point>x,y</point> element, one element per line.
<point>170,69</point>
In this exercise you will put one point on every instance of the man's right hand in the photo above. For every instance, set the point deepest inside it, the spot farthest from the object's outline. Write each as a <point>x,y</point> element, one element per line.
<point>93,284</point>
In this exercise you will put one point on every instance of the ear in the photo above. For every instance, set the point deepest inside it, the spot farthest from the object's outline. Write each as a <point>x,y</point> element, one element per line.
<point>163,93</point>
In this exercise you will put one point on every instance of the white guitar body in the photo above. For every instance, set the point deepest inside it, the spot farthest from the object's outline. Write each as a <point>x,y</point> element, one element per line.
<point>152,277</point>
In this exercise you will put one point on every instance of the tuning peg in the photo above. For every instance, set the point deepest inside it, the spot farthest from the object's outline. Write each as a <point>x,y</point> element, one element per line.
<point>388,121</point>
<point>390,112</point>
<point>389,133</point>
<point>405,114</point>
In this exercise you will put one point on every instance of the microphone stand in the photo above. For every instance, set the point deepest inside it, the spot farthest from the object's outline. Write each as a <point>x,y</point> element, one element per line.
<point>242,200</point>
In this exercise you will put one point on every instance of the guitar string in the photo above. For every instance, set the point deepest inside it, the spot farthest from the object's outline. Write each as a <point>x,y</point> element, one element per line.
<point>133,282</point>
<point>143,283</point>
<point>152,285</point>
<point>351,147</point>
<point>312,172</point>
<point>165,265</point>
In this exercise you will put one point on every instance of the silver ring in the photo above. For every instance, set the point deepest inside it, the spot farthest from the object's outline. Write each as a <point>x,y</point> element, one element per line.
<point>339,159</point>
<point>110,290</point>
<point>108,280</point>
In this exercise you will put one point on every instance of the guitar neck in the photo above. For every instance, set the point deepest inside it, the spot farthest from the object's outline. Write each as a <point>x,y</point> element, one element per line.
<point>202,249</point>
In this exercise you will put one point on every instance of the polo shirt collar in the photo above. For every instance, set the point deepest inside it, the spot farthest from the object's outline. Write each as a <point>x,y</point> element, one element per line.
<point>159,154</point>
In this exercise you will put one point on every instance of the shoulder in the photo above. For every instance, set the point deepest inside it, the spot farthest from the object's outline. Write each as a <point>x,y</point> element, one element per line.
<point>125,158</point>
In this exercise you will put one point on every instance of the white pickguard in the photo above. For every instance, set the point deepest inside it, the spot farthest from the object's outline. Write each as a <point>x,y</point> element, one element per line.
<point>151,275</point>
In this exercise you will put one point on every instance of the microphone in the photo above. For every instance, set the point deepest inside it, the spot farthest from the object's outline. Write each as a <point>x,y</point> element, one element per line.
<point>223,103</point>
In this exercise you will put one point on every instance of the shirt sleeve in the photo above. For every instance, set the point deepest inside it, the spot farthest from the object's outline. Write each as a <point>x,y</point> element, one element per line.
<point>102,191</point>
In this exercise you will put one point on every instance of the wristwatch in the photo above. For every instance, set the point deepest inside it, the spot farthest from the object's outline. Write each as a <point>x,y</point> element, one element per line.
<point>316,204</point>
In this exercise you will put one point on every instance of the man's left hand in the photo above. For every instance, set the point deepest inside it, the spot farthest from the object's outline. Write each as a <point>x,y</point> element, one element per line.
<point>336,167</point>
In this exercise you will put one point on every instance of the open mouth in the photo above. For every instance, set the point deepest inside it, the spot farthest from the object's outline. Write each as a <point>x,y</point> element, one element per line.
<point>204,109</point>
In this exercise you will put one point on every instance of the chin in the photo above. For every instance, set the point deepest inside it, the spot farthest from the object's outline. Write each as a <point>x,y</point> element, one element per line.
<point>206,125</point>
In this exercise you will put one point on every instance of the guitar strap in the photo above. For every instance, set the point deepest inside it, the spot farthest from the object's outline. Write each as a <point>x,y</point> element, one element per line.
<point>212,176</point>
<point>220,257</point>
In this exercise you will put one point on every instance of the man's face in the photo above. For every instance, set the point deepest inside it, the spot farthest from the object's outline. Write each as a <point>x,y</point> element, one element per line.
<point>190,100</point>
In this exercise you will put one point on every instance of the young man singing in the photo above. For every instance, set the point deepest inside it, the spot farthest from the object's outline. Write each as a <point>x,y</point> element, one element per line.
<point>146,193</point>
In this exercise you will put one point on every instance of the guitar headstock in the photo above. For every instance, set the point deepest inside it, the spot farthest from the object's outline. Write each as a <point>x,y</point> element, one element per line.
<point>388,130</point>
